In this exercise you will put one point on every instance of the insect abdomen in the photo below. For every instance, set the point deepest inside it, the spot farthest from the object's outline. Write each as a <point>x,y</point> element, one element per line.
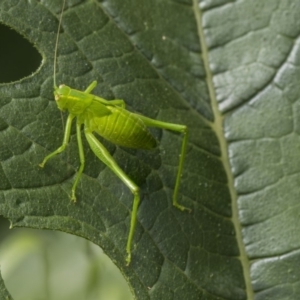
<point>124,128</point>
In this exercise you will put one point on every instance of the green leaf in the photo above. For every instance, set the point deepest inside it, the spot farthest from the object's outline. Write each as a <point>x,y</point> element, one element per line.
<point>4,294</point>
<point>230,72</point>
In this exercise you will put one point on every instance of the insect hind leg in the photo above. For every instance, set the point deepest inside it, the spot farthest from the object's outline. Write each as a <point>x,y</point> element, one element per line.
<point>177,128</point>
<point>102,153</point>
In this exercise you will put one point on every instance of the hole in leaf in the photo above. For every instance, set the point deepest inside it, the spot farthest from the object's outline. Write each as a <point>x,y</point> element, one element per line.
<point>18,57</point>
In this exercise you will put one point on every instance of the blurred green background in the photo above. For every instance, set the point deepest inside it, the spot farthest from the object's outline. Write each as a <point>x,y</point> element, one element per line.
<point>37,264</point>
<point>40,264</point>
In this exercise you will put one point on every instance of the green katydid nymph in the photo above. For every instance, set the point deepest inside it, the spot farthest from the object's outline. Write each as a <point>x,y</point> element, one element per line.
<point>112,121</point>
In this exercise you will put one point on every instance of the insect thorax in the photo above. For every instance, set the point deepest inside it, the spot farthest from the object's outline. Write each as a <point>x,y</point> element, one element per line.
<point>72,100</point>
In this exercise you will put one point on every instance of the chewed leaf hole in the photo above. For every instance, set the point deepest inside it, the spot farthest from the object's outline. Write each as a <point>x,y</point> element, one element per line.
<point>18,57</point>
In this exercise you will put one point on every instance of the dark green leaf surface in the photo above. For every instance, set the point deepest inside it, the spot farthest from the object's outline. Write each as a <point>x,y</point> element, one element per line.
<point>207,65</point>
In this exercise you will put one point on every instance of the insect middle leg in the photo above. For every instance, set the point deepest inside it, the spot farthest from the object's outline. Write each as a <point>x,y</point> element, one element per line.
<point>82,161</point>
<point>115,102</point>
<point>101,152</point>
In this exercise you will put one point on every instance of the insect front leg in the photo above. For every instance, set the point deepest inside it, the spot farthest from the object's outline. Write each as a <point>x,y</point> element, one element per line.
<point>181,129</point>
<point>101,152</point>
<point>64,144</point>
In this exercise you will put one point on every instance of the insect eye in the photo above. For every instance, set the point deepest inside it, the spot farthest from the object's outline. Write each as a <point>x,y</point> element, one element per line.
<point>56,97</point>
<point>61,86</point>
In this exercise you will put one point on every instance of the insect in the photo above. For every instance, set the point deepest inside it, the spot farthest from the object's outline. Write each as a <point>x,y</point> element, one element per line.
<point>111,120</point>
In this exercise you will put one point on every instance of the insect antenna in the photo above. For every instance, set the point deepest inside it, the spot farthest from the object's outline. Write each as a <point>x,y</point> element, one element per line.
<point>56,46</point>
<point>55,58</point>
